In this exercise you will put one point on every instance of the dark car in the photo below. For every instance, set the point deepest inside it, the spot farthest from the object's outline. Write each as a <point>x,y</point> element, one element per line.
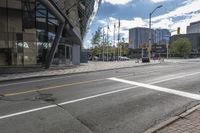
<point>145,60</point>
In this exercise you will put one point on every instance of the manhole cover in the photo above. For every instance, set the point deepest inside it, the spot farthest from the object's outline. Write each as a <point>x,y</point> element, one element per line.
<point>1,95</point>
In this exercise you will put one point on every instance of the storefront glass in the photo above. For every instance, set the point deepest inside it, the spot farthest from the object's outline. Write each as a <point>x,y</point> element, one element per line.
<point>27,30</point>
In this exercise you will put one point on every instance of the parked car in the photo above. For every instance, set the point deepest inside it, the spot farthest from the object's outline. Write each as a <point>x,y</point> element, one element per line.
<point>123,58</point>
<point>126,58</point>
<point>96,58</point>
<point>145,60</point>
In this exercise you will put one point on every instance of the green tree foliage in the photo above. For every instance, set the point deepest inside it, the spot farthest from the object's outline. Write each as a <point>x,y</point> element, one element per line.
<point>181,47</point>
<point>124,48</point>
<point>96,39</point>
<point>96,43</point>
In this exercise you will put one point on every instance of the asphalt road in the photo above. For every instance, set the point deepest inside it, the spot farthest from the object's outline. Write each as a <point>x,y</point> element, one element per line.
<point>129,100</point>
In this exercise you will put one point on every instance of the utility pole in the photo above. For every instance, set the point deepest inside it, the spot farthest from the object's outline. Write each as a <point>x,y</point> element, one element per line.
<point>167,50</point>
<point>142,52</point>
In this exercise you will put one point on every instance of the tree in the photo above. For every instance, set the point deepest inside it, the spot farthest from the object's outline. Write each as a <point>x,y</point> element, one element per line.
<point>96,39</point>
<point>181,47</point>
<point>96,43</point>
<point>124,48</point>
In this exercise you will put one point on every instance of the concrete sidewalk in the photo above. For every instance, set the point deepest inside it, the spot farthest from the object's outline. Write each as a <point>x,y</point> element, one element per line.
<point>89,67</point>
<point>182,60</point>
<point>188,122</point>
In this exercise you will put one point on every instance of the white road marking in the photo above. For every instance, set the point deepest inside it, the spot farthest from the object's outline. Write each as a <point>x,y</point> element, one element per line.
<point>157,88</point>
<point>98,95</point>
<point>64,103</point>
<point>27,111</point>
<point>176,77</point>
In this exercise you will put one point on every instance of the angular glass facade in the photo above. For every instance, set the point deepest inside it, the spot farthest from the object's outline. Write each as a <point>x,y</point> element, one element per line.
<point>28,29</point>
<point>20,33</point>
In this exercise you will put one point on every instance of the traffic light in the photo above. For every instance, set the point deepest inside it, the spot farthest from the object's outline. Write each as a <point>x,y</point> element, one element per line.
<point>178,30</point>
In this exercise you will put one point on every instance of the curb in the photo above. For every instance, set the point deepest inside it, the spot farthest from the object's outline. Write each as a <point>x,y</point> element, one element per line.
<point>171,120</point>
<point>54,75</point>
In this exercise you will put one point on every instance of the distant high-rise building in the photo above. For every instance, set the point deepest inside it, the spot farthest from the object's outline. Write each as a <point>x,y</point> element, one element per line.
<point>162,36</point>
<point>139,36</point>
<point>194,27</point>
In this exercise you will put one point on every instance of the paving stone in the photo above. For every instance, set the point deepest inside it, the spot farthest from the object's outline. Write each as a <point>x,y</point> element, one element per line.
<point>189,124</point>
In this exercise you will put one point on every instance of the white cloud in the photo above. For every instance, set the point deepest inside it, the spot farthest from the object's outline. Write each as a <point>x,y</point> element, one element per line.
<point>158,1</point>
<point>184,23</point>
<point>124,26</point>
<point>117,2</point>
<point>186,12</point>
<point>190,6</point>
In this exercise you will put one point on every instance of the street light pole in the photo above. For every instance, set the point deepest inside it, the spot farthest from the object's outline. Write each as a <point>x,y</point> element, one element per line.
<point>107,45</point>
<point>149,49</point>
<point>150,33</point>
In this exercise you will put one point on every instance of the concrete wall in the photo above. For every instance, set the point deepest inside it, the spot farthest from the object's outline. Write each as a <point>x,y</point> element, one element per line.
<point>195,28</point>
<point>76,54</point>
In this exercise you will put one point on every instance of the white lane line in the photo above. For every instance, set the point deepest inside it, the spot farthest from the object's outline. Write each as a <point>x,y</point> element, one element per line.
<point>176,77</point>
<point>90,97</point>
<point>26,112</point>
<point>157,88</point>
<point>64,103</point>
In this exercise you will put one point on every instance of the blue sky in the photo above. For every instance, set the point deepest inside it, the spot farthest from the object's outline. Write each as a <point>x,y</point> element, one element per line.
<point>135,13</point>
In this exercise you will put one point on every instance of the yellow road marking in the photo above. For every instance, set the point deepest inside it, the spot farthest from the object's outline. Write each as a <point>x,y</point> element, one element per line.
<point>58,86</point>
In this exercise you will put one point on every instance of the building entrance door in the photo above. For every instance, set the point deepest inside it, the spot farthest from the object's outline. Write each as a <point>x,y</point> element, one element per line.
<point>63,55</point>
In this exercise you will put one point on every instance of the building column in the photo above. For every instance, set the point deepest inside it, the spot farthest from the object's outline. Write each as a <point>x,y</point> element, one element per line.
<point>54,46</point>
<point>62,20</point>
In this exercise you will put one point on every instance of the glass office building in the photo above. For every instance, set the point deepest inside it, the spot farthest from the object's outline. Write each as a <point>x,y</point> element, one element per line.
<point>28,29</point>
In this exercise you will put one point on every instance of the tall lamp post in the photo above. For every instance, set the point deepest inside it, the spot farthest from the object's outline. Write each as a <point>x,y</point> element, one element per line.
<point>150,33</point>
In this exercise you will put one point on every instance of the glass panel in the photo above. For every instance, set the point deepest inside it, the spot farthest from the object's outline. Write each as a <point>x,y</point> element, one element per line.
<point>42,52</point>
<point>14,4</point>
<point>30,49</point>
<point>30,53</point>
<point>29,14</point>
<point>3,3</point>
<point>3,16</point>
